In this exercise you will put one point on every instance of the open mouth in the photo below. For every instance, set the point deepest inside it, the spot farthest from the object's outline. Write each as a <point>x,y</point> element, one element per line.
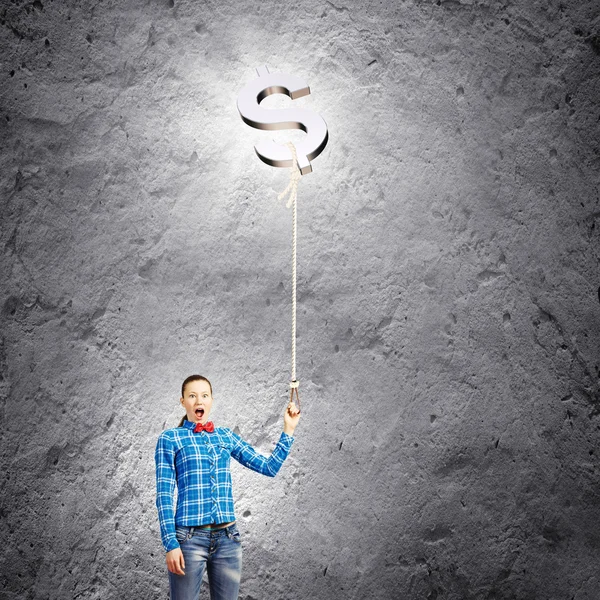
<point>199,413</point>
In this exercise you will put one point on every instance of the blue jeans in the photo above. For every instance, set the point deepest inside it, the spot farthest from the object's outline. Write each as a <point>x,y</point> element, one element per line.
<point>220,551</point>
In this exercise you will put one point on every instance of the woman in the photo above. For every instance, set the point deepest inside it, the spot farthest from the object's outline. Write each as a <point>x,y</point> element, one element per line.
<point>202,532</point>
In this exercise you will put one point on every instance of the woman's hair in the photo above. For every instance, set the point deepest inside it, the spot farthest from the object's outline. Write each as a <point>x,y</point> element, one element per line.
<point>189,380</point>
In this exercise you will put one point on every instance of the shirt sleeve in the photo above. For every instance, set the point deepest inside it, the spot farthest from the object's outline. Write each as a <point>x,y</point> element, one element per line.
<point>246,455</point>
<point>164,458</point>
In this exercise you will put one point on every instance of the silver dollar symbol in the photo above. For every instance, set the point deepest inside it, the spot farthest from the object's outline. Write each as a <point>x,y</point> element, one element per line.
<point>315,127</point>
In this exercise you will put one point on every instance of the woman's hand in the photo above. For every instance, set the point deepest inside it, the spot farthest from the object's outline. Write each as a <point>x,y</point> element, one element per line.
<point>291,416</point>
<point>175,562</point>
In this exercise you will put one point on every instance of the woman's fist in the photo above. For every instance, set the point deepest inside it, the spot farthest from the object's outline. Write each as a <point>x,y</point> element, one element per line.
<point>175,562</point>
<point>291,416</point>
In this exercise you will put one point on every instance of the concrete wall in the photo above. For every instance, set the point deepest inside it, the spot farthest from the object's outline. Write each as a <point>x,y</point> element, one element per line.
<point>448,318</point>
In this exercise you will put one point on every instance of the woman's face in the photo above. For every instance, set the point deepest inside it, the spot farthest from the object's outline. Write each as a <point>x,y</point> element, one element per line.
<point>197,401</point>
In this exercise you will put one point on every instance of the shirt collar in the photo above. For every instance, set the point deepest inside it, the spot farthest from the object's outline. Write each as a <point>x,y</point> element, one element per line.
<point>190,424</point>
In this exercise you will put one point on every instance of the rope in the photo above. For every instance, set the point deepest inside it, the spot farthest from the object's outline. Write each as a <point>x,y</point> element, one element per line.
<point>292,189</point>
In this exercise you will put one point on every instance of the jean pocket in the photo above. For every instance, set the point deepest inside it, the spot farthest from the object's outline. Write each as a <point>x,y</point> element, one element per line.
<point>236,536</point>
<point>181,534</point>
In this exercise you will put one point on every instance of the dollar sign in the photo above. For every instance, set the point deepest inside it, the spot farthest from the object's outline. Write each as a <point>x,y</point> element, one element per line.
<point>315,127</point>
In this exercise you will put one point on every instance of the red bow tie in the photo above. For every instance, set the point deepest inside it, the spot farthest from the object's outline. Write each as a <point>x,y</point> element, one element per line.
<point>208,426</point>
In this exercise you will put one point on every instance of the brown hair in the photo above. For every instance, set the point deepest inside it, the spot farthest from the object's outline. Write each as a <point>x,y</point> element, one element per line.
<point>189,380</point>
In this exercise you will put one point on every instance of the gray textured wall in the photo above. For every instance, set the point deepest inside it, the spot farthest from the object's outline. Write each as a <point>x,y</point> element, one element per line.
<point>448,293</point>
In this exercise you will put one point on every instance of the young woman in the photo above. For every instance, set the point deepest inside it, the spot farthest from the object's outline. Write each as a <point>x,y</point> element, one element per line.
<point>201,532</point>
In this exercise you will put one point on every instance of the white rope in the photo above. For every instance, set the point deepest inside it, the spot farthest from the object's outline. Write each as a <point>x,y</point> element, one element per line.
<point>292,189</point>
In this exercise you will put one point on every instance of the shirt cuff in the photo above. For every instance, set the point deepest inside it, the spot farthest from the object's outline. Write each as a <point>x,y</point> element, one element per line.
<point>286,437</point>
<point>171,544</point>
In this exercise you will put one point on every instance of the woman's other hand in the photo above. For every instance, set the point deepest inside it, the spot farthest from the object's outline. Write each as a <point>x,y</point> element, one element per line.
<point>291,416</point>
<point>175,562</point>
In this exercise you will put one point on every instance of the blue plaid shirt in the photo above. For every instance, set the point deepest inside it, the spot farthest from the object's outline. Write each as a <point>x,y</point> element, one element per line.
<point>199,464</point>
